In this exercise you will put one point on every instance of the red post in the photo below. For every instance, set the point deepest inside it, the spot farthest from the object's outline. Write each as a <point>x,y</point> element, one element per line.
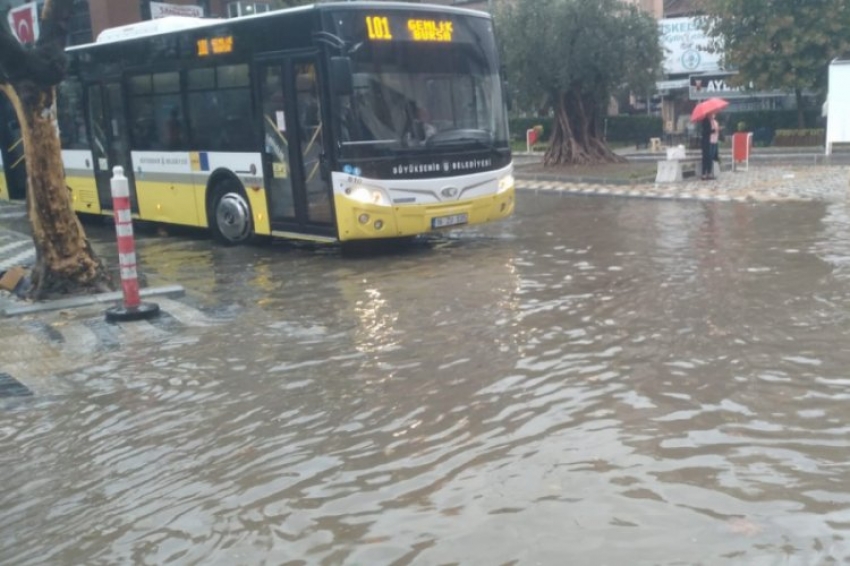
<point>126,242</point>
<point>742,142</point>
<point>530,138</point>
<point>133,308</point>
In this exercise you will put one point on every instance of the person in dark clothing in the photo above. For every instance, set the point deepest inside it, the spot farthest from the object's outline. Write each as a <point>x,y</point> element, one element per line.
<point>705,146</point>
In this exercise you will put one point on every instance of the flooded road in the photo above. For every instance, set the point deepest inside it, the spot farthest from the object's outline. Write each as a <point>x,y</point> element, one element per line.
<point>594,381</point>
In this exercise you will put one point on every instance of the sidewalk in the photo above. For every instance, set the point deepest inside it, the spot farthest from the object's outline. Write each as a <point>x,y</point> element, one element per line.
<point>773,175</point>
<point>17,249</point>
<point>760,155</point>
<point>772,183</point>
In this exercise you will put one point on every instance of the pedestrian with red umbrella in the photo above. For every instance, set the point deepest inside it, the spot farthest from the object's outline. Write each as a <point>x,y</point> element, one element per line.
<point>706,112</point>
<point>707,170</point>
<point>714,139</point>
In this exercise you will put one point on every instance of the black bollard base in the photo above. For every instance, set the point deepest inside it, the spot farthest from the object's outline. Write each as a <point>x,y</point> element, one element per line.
<point>123,314</point>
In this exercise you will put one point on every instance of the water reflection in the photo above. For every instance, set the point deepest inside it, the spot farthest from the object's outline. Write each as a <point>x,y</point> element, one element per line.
<point>596,380</point>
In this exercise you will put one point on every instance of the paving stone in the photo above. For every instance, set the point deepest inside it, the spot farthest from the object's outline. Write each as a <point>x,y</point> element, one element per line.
<point>11,387</point>
<point>763,183</point>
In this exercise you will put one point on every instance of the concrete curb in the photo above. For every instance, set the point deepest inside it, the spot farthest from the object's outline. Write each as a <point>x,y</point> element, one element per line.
<point>10,309</point>
<point>578,179</point>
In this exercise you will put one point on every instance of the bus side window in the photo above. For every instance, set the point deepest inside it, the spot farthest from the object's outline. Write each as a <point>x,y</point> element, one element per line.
<point>168,111</point>
<point>156,117</point>
<point>174,130</point>
<point>143,133</point>
<point>220,108</point>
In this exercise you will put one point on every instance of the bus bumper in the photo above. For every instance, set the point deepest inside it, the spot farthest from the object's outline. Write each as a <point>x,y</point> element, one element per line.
<point>359,221</point>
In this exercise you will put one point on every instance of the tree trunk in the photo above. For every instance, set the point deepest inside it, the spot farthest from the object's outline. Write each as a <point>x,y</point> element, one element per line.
<point>801,120</point>
<point>575,137</point>
<point>65,261</point>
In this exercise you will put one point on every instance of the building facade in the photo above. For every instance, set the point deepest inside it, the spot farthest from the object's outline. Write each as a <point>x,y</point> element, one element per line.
<point>654,7</point>
<point>90,17</point>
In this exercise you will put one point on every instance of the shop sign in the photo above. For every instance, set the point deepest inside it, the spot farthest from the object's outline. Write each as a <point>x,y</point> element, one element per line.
<point>707,86</point>
<point>686,47</point>
<point>162,9</point>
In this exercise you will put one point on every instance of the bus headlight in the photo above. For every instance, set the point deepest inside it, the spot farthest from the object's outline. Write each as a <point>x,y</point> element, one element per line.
<point>368,195</point>
<point>506,183</point>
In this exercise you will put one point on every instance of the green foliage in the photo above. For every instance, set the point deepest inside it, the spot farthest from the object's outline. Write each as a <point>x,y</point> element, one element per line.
<point>785,44</point>
<point>633,129</point>
<point>594,48</point>
<point>617,129</point>
<point>766,126</point>
<point>773,119</point>
<point>765,123</point>
<point>798,138</point>
<point>518,127</point>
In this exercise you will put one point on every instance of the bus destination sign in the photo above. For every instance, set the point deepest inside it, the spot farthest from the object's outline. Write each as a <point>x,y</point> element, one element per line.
<point>215,46</point>
<point>378,28</point>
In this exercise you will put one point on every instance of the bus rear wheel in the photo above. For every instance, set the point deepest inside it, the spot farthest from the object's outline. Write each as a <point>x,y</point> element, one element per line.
<point>230,216</point>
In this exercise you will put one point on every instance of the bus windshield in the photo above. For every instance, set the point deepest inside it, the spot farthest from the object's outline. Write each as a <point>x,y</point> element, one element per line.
<point>412,97</point>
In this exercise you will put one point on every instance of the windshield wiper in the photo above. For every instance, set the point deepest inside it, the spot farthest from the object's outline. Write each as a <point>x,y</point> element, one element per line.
<point>369,142</point>
<point>461,137</point>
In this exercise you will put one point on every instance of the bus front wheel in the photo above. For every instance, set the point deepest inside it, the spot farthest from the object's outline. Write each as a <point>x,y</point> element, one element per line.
<point>230,216</point>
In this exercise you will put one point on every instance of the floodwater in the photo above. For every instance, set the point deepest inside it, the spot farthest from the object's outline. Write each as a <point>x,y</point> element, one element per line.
<point>593,381</point>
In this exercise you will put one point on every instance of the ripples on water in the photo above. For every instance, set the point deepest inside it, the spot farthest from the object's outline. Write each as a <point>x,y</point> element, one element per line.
<point>594,381</point>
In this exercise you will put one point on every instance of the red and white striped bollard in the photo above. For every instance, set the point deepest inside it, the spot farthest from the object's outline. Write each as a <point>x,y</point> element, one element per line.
<point>133,308</point>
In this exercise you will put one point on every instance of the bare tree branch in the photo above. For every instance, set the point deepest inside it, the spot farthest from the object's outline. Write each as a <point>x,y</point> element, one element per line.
<point>45,63</point>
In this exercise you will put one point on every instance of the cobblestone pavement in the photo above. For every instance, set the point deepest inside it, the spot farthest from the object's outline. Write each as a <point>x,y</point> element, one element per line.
<point>37,350</point>
<point>15,248</point>
<point>762,183</point>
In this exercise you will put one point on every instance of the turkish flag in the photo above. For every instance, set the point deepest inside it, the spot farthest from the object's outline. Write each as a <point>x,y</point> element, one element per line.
<point>23,21</point>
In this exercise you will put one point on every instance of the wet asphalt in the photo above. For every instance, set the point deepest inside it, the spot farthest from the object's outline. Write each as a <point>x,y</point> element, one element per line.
<point>603,378</point>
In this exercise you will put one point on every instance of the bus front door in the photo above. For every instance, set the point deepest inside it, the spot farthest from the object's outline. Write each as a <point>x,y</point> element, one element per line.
<point>13,165</point>
<point>110,142</point>
<point>297,187</point>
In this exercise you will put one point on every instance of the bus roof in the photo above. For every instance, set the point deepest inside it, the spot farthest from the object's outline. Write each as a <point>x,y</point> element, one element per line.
<point>170,24</point>
<point>153,27</point>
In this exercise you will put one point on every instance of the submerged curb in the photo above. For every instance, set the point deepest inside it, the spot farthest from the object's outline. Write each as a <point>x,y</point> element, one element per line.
<point>539,177</point>
<point>10,309</point>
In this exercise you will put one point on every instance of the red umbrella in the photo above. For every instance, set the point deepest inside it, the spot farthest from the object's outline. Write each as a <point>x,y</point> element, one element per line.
<point>706,107</point>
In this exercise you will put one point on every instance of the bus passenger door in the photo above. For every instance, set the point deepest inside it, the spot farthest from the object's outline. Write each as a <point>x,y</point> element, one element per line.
<point>13,164</point>
<point>299,195</point>
<point>110,140</point>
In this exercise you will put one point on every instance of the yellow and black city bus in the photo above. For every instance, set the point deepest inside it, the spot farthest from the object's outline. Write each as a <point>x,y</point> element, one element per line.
<point>331,122</point>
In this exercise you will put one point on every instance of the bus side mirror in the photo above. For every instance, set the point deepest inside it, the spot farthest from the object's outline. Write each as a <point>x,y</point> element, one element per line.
<point>342,79</point>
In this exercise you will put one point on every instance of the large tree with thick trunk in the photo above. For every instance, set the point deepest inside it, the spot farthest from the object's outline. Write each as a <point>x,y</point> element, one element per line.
<point>65,261</point>
<point>574,55</point>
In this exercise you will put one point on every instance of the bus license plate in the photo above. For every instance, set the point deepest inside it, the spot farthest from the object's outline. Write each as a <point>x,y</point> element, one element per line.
<point>452,220</point>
